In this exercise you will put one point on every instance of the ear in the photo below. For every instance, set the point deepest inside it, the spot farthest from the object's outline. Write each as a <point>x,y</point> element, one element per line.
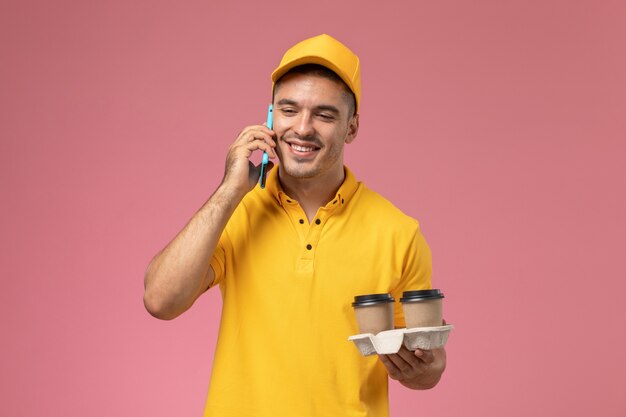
<point>353,128</point>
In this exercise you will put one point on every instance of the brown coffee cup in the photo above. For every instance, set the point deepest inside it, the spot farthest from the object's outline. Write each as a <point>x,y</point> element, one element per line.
<point>422,308</point>
<point>374,312</point>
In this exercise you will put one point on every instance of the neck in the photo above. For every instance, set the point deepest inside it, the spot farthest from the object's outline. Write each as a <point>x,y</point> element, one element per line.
<point>312,193</point>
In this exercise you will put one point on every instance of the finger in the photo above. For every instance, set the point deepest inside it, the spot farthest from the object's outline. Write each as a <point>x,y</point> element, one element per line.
<point>253,135</point>
<point>392,369</point>
<point>248,148</point>
<point>409,357</point>
<point>249,130</point>
<point>425,356</point>
<point>400,363</point>
<point>256,136</point>
<point>271,131</point>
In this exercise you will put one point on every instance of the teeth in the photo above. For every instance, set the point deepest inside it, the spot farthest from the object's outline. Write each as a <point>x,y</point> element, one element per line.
<point>301,148</point>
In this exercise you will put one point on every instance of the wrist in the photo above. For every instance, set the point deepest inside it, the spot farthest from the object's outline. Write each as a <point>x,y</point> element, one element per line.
<point>229,195</point>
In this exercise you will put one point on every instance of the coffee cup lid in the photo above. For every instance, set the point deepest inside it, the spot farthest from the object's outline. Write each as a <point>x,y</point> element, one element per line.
<point>409,296</point>
<point>371,299</point>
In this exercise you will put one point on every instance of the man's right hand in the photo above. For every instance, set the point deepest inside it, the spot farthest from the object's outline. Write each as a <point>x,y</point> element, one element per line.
<point>241,175</point>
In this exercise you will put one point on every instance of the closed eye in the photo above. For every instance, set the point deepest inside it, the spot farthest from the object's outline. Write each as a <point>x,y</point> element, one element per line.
<point>288,111</point>
<point>326,117</point>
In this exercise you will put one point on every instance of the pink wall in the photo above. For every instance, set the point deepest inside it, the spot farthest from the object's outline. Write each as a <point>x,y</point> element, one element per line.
<point>500,125</point>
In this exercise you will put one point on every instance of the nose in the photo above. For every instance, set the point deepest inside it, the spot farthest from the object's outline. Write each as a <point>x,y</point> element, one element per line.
<point>303,125</point>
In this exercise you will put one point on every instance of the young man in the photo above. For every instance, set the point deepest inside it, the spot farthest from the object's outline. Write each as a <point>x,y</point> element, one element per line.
<point>290,258</point>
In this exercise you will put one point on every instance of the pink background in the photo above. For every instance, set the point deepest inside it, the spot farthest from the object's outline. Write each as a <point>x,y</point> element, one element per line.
<point>499,125</point>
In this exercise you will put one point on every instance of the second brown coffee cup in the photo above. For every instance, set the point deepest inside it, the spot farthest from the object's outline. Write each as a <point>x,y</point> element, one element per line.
<point>374,312</point>
<point>423,308</point>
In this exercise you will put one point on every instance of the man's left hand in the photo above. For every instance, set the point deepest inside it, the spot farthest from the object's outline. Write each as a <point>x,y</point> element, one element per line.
<point>421,369</point>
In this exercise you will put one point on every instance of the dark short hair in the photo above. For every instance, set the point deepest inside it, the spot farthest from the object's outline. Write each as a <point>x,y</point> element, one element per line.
<point>322,71</point>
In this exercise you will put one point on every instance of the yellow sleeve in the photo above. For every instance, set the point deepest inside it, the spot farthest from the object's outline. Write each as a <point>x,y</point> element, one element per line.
<point>416,273</point>
<point>218,260</point>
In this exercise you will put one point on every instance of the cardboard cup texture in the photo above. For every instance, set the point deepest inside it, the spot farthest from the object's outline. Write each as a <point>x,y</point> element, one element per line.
<point>374,318</point>
<point>423,313</point>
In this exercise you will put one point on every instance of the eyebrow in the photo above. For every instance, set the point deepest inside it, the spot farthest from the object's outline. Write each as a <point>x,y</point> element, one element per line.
<point>327,107</point>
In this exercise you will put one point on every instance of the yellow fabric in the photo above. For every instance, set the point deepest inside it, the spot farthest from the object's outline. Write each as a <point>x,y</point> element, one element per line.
<point>282,348</point>
<point>326,51</point>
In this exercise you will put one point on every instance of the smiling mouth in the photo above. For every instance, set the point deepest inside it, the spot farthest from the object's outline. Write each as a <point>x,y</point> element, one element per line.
<point>301,148</point>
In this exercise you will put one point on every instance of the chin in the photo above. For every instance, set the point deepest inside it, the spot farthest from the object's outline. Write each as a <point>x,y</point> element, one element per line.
<point>296,170</point>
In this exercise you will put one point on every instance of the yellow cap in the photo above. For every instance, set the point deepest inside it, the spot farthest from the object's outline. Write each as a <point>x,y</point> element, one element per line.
<point>326,51</point>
